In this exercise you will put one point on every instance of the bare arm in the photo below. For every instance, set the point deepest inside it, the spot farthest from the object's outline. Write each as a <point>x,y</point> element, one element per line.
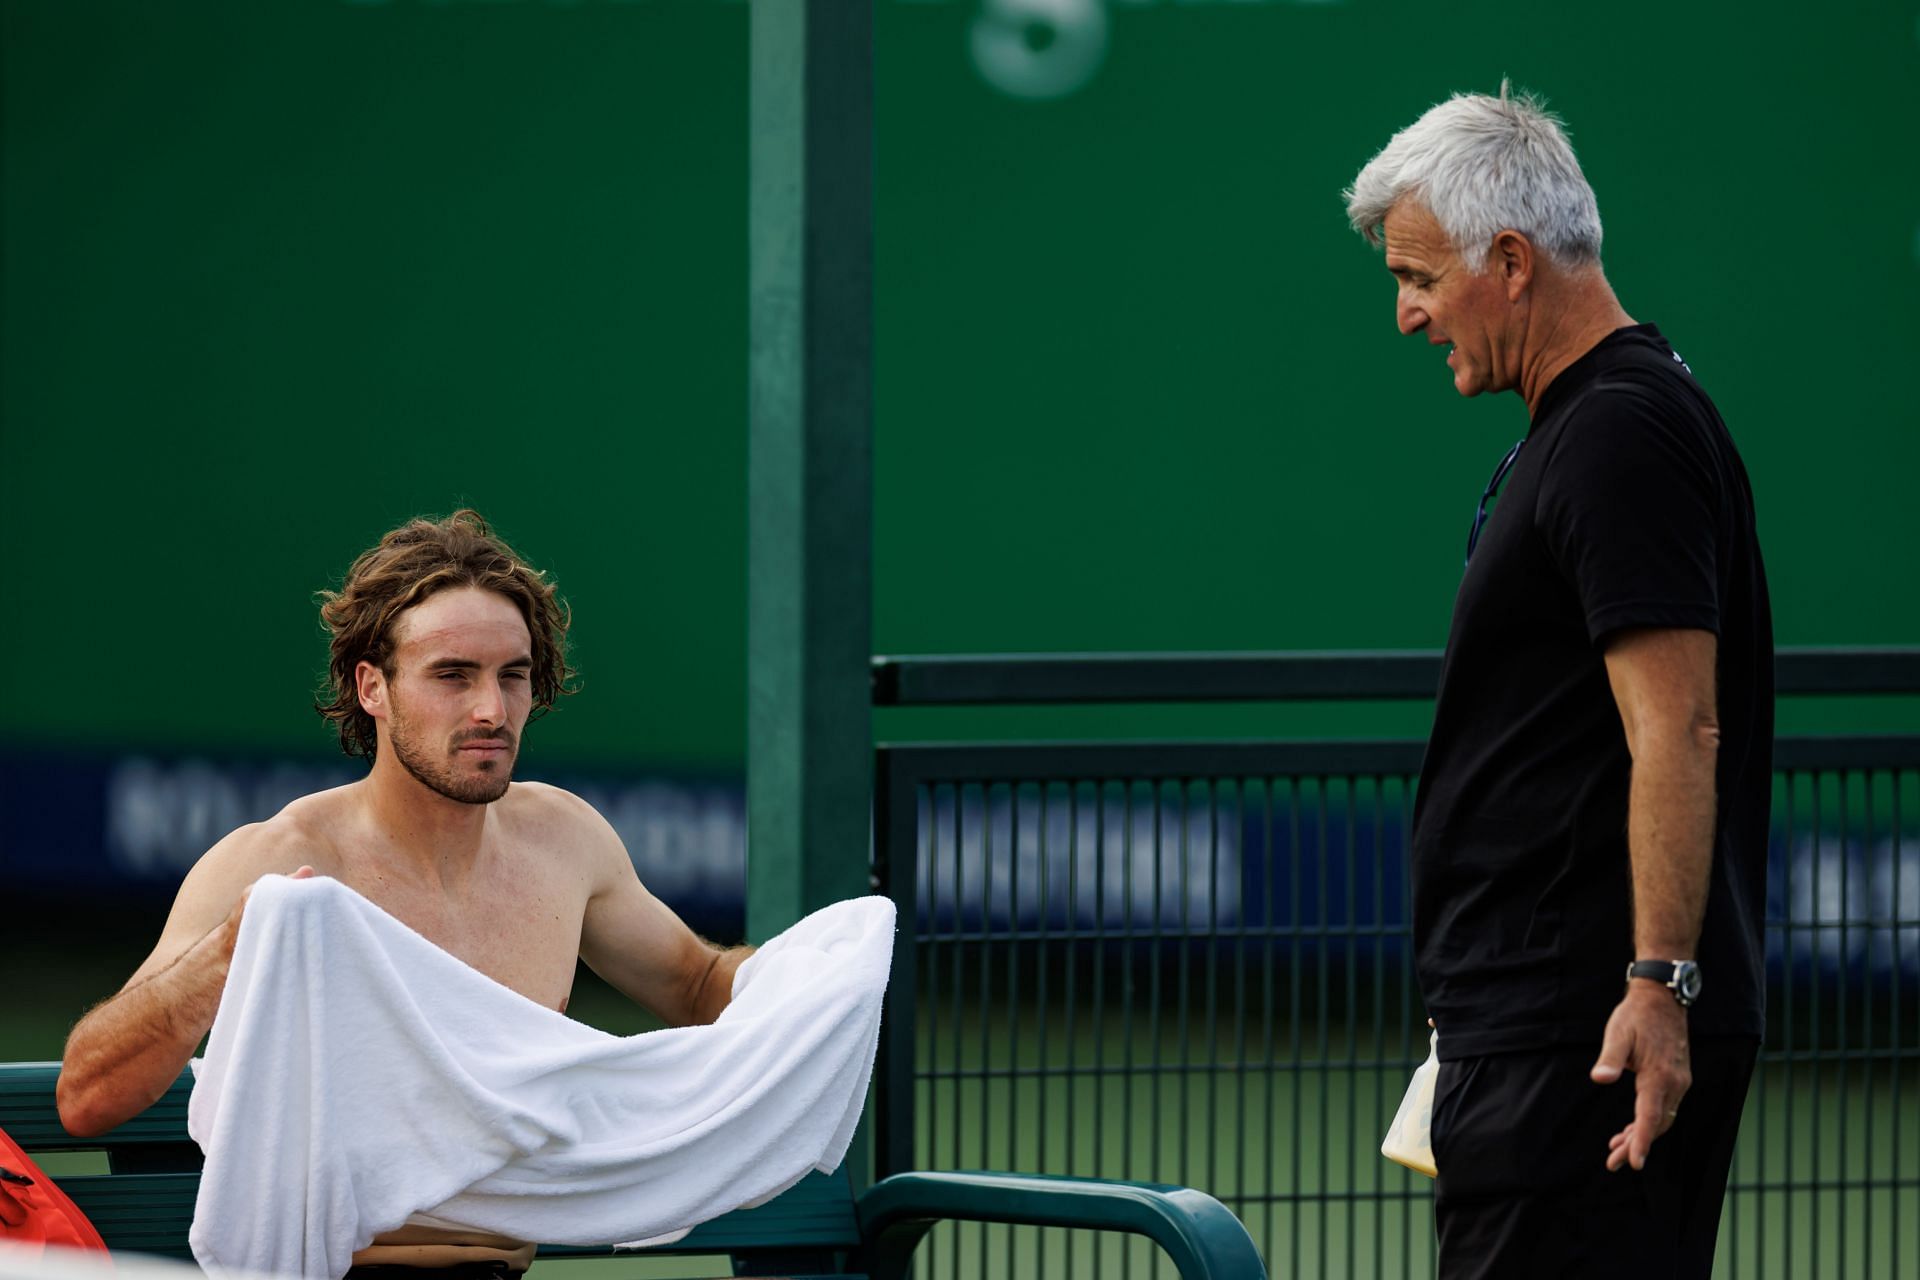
<point>1663,682</point>
<point>121,1057</point>
<point>636,942</point>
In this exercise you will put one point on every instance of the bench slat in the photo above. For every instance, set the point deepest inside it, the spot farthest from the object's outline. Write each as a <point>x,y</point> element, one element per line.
<point>144,1212</point>
<point>28,1113</point>
<point>815,1213</point>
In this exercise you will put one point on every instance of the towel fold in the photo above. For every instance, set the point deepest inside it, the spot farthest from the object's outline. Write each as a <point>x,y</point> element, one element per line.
<point>358,1076</point>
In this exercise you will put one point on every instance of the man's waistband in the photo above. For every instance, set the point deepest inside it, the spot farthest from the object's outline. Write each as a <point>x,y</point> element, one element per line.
<point>491,1269</point>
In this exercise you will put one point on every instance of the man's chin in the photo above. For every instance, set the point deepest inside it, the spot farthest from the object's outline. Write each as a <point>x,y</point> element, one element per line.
<point>491,784</point>
<point>483,784</point>
<point>486,794</point>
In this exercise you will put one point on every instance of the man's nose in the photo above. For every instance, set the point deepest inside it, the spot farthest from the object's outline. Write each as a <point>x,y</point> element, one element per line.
<point>489,702</point>
<point>1410,318</point>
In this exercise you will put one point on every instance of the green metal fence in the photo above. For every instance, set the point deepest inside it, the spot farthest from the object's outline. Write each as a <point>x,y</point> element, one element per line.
<point>1189,962</point>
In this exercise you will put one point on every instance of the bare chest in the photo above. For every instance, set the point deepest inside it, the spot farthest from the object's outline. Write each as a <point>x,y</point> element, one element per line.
<point>519,926</point>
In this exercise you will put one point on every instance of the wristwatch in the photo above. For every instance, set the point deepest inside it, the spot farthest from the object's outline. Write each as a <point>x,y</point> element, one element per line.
<point>1682,977</point>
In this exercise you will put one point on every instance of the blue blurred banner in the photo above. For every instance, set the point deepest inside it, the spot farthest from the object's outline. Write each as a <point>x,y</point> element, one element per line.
<point>128,827</point>
<point>1327,868</point>
<point>1168,864</point>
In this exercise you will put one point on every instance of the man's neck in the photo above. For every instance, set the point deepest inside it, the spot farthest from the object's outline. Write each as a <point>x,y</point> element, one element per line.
<point>1573,313</point>
<point>433,835</point>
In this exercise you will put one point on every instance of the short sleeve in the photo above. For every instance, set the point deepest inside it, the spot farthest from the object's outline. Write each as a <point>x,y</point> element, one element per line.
<point>1630,511</point>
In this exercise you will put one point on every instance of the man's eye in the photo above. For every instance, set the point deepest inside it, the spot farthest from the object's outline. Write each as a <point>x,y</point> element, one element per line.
<point>513,675</point>
<point>452,675</point>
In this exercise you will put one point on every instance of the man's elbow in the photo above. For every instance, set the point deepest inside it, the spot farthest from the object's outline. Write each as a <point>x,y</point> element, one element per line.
<point>83,1112</point>
<point>92,1098</point>
<point>1674,737</point>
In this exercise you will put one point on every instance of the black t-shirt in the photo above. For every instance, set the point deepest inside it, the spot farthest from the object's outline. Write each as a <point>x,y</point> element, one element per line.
<point>1627,507</point>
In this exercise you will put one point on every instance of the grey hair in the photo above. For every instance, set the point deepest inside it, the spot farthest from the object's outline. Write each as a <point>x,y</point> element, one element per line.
<point>1481,166</point>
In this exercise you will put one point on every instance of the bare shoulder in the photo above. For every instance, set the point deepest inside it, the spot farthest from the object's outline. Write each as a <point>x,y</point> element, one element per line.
<point>299,835</point>
<point>557,808</point>
<point>560,818</point>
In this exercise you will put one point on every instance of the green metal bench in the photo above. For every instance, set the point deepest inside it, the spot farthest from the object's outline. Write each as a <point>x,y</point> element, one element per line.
<point>143,1201</point>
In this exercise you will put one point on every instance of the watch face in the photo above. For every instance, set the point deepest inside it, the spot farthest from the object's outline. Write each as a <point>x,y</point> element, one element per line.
<point>1688,982</point>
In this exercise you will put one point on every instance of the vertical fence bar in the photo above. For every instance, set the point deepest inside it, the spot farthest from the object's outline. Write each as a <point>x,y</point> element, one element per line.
<point>1043,1015</point>
<point>1895,913</point>
<point>1842,1038</point>
<point>1379,1017</point>
<point>1759,1127</point>
<point>1351,934</point>
<point>1181,1018</point>
<point>1406,1006</point>
<point>1816,1026</point>
<point>1791,1036</point>
<point>1153,979</point>
<point>1242,1125</point>
<point>1271,925</point>
<point>1866,1033</point>
<point>1100,984</point>
<point>1323,1036</point>
<point>924,1153</point>
<point>1099,977</point>
<point>1071,979</point>
<point>1211,1135</point>
<point>1126,1003</point>
<point>1296,789</point>
<point>897,815</point>
<point>986,991</point>
<point>1014,825</point>
<point>960,794</point>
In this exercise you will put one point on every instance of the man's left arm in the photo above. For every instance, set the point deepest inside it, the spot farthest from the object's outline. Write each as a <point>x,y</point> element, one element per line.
<point>1663,682</point>
<point>645,951</point>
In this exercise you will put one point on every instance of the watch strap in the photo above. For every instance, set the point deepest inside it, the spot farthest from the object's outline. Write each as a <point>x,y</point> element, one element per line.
<point>1681,977</point>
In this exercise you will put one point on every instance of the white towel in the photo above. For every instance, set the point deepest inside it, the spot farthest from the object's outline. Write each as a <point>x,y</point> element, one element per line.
<point>1409,1139</point>
<point>358,1076</point>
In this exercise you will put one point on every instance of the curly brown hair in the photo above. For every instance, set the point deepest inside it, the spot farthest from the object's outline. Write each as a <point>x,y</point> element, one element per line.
<point>417,560</point>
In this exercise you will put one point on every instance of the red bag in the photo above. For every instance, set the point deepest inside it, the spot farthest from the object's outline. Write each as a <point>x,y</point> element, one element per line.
<point>33,1210</point>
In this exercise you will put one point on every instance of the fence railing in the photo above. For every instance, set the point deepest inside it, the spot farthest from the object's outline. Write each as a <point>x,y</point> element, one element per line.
<point>1190,962</point>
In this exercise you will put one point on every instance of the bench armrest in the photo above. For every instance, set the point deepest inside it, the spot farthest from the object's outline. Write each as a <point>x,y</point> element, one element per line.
<point>1199,1234</point>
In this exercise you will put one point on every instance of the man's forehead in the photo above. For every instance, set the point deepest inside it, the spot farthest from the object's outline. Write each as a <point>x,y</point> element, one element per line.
<point>1408,227</point>
<point>464,618</point>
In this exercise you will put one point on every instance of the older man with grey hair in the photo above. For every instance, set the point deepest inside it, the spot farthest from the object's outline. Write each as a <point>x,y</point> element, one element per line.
<point>1590,837</point>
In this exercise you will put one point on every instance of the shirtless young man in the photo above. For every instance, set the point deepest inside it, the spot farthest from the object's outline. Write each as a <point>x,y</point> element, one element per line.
<point>444,645</point>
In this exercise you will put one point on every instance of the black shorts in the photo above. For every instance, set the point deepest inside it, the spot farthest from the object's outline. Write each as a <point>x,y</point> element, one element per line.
<point>1521,1143</point>
<point>492,1269</point>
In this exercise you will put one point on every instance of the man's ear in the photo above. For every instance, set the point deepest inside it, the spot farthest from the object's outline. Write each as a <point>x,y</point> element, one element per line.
<point>370,683</point>
<point>1513,260</point>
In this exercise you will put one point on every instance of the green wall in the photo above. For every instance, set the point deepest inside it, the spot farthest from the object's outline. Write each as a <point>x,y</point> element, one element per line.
<point>278,275</point>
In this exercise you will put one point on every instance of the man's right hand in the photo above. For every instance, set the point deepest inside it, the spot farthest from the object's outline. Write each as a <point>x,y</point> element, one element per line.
<point>230,927</point>
<point>127,1051</point>
<point>1647,1035</point>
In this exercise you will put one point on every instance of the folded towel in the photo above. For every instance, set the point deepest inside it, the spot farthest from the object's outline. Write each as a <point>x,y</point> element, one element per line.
<point>358,1076</point>
<point>1409,1139</point>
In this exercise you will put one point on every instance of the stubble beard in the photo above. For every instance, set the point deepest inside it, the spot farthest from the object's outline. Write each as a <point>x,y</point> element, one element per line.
<point>439,778</point>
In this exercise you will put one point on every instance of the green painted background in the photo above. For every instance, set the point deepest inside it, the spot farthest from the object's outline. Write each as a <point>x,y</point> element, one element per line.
<point>277,275</point>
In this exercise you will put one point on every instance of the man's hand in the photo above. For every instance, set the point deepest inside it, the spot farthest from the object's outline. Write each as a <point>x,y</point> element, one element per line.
<point>1646,1035</point>
<point>230,927</point>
